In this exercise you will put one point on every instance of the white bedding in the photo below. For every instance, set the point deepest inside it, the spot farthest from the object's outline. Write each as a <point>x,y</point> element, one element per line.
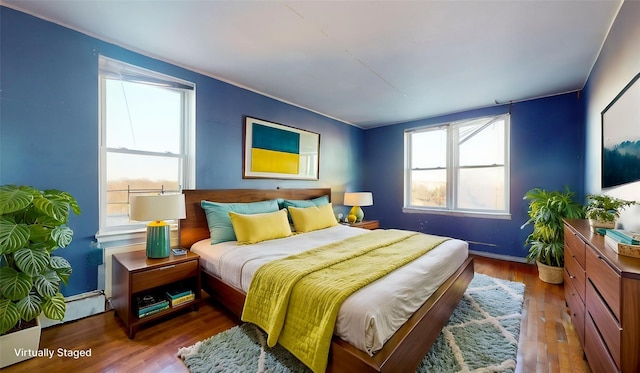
<point>370,316</point>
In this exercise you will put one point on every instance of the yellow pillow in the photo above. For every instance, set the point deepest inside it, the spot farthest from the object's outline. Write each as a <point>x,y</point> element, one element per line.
<point>307,219</point>
<point>253,228</point>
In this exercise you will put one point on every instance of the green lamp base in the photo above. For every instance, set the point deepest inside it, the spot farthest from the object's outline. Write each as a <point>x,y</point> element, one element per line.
<point>158,240</point>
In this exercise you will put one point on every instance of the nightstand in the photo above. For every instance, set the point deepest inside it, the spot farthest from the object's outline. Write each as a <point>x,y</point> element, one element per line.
<point>367,224</point>
<point>135,275</point>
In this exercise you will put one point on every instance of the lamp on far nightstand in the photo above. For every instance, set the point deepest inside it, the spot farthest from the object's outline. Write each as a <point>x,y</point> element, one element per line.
<point>358,199</point>
<point>156,209</point>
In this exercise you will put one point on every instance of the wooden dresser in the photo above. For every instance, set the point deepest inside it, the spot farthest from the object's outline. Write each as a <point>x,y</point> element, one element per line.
<point>602,290</point>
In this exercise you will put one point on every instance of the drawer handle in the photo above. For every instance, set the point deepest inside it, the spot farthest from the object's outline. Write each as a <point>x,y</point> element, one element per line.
<point>167,267</point>
<point>572,276</point>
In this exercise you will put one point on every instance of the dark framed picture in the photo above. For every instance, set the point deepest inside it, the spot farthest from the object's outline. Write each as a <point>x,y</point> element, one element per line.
<point>621,137</point>
<point>276,151</point>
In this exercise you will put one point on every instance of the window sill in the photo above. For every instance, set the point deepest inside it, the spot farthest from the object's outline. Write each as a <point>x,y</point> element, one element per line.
<point>466,214</point>
<point>126,237</point>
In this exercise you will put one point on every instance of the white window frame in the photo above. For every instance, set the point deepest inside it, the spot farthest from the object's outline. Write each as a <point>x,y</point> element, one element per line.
<point>452,170</point>
<point>113,69</point>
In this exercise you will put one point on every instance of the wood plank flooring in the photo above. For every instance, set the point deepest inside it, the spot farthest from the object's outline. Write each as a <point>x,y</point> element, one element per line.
<point>548,342</point>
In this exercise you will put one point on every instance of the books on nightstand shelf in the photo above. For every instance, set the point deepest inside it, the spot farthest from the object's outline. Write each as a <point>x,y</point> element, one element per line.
<point>150,304</point>
<point>179,296</point>
<point>623,242</point>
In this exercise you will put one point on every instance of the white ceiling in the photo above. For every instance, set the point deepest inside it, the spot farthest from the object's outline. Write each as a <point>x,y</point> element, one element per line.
<point>367,63</point>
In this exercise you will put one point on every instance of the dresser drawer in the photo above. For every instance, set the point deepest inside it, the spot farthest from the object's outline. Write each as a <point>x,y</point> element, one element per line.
<point>575,273</point>
<point>607,325</point>
<point>576,245</point>
<point>605,280</point>
<point>163,275</point>
<point>576,306</point>
<point>599,359</point>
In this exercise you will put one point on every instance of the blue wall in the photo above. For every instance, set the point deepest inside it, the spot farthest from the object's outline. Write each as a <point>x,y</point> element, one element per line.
<point>547,142</point>
<point>49,136</point>
<point>49,126</point>
<point>617,64</point>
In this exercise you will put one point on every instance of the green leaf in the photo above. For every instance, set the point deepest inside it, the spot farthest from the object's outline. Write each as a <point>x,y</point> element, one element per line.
<point>54,308</point>
<point>72,201</point>
<point>54,208</point>
<point>14,198</point>
<point>33,260</point>
<point>13,284</point>
<point>62,268</point>
<point>39,233</point>
<point>62,235</point>
<point>47,284</point>
<point>13,236</point>
<point>9,315</point>
<point>29,307</point>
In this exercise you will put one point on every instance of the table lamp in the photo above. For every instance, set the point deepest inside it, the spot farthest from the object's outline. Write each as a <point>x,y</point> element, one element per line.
<point>156,209</point>
<point>358,199</point>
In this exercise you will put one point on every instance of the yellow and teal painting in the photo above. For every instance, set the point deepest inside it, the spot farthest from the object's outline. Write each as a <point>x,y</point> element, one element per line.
<point>276,151</point>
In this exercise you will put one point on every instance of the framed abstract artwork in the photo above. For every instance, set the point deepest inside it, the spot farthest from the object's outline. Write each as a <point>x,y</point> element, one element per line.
<point>276,151</point>
<point>621,137</point>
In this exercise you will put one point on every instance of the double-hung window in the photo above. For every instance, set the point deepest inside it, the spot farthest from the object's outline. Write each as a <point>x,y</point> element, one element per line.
<point>459,168</point>
<point>146,139</point>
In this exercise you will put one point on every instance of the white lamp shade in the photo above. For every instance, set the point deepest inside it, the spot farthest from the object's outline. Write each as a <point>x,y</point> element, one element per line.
<point>158,207</point>
<point>358,199</point>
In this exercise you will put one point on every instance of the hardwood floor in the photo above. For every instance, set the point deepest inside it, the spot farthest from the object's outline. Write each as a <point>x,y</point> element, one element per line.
<point>548,342</point>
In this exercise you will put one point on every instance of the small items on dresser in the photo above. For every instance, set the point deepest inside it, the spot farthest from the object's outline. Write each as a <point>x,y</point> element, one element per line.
<point>623,242</point>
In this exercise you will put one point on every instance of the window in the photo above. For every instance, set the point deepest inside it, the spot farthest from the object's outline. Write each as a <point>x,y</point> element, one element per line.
<point>146,139</point>
<point>459,168</point>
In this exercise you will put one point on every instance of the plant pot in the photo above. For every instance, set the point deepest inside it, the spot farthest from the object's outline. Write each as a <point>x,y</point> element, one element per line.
<point>19,346</point>
<point>550,274</point>
<point>593,223</point>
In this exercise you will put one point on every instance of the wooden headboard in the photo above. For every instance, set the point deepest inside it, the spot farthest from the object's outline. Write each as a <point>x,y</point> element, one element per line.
<point>195,228</point>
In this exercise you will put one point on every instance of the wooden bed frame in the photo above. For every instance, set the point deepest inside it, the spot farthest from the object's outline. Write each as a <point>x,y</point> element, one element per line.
<point>402,352</point>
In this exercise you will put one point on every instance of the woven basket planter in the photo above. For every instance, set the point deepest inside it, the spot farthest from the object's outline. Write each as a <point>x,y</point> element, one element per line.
<point>550,274</point>
<point>595,224</point>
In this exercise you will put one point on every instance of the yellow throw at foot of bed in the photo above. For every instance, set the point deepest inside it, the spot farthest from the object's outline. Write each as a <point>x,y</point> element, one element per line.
<point>296,299</point>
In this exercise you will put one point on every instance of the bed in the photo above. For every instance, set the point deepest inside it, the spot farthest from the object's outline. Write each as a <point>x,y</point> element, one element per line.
<point>402,351</point>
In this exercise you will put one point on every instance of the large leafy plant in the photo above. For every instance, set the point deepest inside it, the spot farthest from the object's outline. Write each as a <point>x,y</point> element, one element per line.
<point>546,211</point>
<point>33,224</point>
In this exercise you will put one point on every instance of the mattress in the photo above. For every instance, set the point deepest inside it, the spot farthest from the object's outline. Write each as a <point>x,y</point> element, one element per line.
<point>370,316</point>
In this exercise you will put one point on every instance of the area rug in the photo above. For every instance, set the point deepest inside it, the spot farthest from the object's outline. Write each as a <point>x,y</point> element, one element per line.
<point>481,336</point>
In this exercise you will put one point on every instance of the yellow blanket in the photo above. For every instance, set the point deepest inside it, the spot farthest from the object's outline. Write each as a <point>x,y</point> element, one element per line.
<point>296,299</point>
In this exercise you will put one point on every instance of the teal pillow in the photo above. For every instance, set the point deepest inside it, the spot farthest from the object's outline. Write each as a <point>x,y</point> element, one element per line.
<point>218,219</point>
<point>302,203</point>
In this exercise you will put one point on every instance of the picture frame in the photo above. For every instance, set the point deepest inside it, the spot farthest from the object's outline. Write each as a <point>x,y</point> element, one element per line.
<point>621,137</point>
<point>276,151</point>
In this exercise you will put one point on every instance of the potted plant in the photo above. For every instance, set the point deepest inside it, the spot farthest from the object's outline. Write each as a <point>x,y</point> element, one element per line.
<point>603,210</point>
<point>546,242</point>
<point>33,224</point>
